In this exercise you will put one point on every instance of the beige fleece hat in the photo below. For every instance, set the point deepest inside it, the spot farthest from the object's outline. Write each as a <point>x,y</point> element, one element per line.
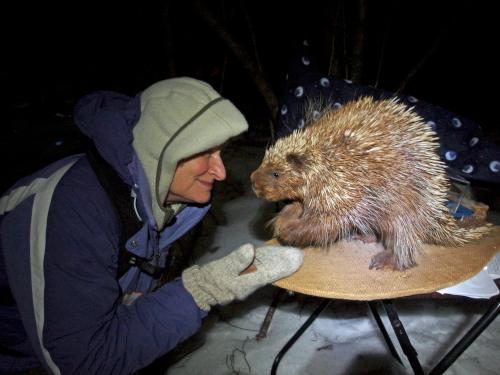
<point>180,117</point>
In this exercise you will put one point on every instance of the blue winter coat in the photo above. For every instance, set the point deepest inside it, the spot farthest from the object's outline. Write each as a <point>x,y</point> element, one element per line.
<point>59,248</point>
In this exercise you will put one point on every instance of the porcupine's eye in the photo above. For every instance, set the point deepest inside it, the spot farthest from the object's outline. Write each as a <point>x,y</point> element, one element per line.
<point>275,174</point>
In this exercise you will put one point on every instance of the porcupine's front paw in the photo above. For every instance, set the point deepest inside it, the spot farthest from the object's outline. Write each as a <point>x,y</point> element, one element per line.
<point>289,233</point>
<point>288,214</point>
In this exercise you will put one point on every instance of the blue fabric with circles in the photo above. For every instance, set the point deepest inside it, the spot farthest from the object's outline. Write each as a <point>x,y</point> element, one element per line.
<point>462,144</point>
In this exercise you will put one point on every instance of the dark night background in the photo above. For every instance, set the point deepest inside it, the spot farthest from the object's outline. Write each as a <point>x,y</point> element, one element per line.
<point>53,54</point>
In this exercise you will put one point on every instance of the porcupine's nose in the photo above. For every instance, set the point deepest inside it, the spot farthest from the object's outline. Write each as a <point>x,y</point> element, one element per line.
<point>252,176</point>
<point>254,179</point>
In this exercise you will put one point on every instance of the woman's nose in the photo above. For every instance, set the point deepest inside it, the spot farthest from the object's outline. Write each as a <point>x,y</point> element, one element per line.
<point>217,168</point>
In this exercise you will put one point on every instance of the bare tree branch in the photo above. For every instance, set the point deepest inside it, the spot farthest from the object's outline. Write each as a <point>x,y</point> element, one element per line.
<point>422,62</point>
<point>242,55</point>
<point>381,60</point>
<point>223,73</point>
<point>333,66</point>
<point>169,44</point>
<point>344,39</point>
<point>252,35</point>
<point>359,42</point>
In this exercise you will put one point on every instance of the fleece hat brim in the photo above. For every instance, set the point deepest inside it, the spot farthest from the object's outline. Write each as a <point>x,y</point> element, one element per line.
<point>180,117</point>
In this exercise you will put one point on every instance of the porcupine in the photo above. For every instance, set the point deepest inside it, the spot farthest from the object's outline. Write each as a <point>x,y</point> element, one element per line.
<point>369,168</point>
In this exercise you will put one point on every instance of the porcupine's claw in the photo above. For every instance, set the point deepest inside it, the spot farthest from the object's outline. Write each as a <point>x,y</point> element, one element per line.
<point>384,259</point>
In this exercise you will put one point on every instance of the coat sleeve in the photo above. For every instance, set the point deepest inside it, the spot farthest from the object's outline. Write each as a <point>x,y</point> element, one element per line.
<point>86,328</point>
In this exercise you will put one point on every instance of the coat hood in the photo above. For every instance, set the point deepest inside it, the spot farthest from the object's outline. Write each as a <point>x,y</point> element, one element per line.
<point>108,119</point>
<point>180,117</point>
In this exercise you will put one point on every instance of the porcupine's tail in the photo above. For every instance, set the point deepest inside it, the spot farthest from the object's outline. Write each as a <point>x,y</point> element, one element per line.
<point>448,232</point>
<point>474,233</point>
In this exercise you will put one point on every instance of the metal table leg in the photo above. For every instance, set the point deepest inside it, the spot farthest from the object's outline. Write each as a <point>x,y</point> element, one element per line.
<point>324,303</point>
<point>403,338</point>
<point>488,317</point>
<point>381,326</point>
<point>269,315</point>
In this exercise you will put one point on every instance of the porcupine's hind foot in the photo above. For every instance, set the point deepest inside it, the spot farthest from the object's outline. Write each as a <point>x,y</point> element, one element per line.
<point>389,260</point>
<point>384,259</point>
<point>400,253</point>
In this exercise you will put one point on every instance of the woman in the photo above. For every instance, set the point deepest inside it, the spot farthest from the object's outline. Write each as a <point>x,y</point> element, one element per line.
<point>76,301</point>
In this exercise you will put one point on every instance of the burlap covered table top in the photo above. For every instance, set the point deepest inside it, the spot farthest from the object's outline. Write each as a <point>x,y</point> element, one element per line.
<point>342,271</point>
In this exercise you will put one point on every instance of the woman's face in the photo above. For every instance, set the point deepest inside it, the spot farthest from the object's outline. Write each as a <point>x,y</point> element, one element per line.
<point>194,177</point>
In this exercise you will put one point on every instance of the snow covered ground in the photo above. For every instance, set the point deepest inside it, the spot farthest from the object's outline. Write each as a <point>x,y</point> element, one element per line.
<point>344,339</point>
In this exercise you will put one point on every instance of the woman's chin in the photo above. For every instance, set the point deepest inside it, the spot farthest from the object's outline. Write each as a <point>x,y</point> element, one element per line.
<point>202,199</point>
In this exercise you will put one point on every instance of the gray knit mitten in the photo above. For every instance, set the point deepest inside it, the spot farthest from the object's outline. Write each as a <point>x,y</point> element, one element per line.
<point>219,282</point>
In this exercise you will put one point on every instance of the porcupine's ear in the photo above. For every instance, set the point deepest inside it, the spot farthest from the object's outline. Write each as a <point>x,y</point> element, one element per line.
<point>296,160</point>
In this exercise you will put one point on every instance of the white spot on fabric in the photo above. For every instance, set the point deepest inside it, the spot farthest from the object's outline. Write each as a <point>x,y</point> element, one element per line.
<point>450,155</point>
<point>468,169</point>
<point>301,123</point>
<point>299,91</point>
<point>325,82</point>
<point>305,42</point>
<point>412,99</point>
<point>495,166</point>
<point>456,123</point>
<point>337,105</point>
<point>431,124</point>
<point>316,115</point>
<point>59,143</point>
<point>284,109</point>
<point>473,141</point>
<point>347,81</point>
<point>305,60</point>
